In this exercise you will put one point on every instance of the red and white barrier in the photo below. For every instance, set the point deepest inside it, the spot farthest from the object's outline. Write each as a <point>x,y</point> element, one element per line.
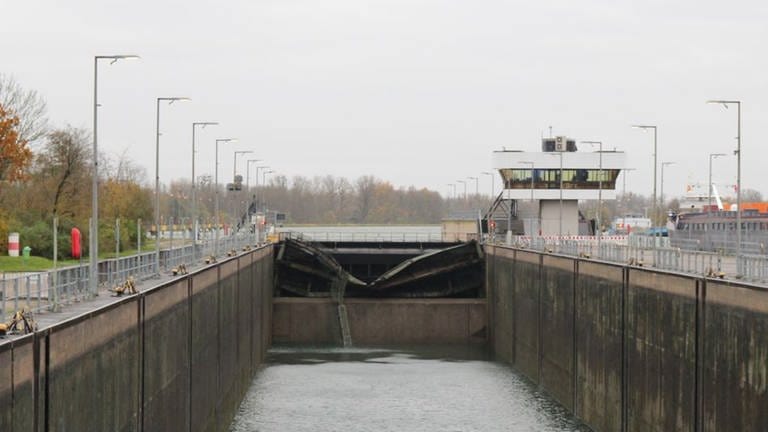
<point>13,244</point>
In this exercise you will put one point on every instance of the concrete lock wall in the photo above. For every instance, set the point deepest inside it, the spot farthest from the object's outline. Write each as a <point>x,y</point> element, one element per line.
<point>632,349</point>
<point>380,321</point>
<point>176,357</point>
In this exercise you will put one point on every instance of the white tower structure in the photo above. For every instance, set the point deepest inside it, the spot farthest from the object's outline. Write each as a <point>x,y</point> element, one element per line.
<point>555,179</point>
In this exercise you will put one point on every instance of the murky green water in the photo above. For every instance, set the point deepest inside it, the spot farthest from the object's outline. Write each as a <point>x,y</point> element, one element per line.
<point>397,389</point>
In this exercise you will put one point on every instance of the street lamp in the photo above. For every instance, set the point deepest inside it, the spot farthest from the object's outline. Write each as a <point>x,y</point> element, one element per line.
<point>234,169</point>
<point>170,101</point>
<point>257,172</point>
<point>725,103</point>
<point>465,187</point>
<point>93,280</point>
<point>264,177</point>
<point>599,190</point>
<point>257,180</point>
<point>655,163</point>
<point>477,189</point>
<point>216,195</point>
<point>453,187</point>
<point>493,183</point>
<point>248,172</point>
<point>663,164</point>
<point>194,187</point>
<point>709,201</point>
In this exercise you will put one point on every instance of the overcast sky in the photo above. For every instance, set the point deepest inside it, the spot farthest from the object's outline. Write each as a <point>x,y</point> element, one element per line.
<point>416,92</point>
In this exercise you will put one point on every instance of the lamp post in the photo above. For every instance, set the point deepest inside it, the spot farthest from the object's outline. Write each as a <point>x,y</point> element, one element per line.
<point>257,173</point>
<point>451,186</point>
<point>216,195</point>
<point>194,181</point>
<point>655,163</point>
<point>248,172</point>
<point>663,164</point>
<point>234,169</point>
<point>477,188</point>
<point>599,190</point>
<point>260,167</point>
<point>725,103</point>
<point>493,183</point>
<point>464,182</point>
<point>709,200</point>
<point>170,101</point>
<point>93,249</point>
<point>264,177</point>
<point>264,184</point>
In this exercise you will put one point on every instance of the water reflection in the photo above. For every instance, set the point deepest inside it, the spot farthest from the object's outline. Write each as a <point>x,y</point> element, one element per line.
<point>394,389</point>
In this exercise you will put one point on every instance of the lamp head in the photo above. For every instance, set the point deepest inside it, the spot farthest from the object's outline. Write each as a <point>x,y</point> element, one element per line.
<point>643,127</point>
<point>114,58</point>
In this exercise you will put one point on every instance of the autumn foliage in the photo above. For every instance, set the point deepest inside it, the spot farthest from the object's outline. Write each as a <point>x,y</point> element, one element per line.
<point>15,155</point>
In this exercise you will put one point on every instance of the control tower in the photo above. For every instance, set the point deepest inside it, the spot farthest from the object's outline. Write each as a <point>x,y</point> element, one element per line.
<point>554,180</point>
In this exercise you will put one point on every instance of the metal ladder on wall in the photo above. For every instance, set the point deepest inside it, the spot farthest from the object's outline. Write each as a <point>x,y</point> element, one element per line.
<point>337,293</point>
<point>346,336</point>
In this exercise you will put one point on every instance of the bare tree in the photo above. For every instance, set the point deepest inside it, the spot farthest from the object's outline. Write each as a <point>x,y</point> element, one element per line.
<point>751,195</point>
<point>28,106</point>
<point>366,186</point>
<point>127,170</point>
<point>63,164</point>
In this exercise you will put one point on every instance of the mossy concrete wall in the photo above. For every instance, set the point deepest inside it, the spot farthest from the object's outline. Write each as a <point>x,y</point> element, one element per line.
<point>632,349</point>
<point>176,357</point>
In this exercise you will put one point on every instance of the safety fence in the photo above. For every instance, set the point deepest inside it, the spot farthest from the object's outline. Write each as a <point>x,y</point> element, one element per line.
<point>364,236</point>
<point>656,253</point>
<point>50,290</point>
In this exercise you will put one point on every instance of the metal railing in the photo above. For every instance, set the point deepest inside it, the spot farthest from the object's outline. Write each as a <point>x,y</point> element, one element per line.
<point>363,236</point>
<point>53,289</point>
<point>27,290</point>
<point>649,251</point>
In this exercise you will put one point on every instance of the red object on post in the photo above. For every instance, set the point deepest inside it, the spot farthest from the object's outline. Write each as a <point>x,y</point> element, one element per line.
<point>76,249</point>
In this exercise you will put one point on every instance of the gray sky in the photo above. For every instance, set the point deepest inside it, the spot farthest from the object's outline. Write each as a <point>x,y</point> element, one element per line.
<point>417,92</point>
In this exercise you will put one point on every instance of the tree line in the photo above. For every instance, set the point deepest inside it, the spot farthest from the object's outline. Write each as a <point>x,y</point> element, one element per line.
<point>46,173</point>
